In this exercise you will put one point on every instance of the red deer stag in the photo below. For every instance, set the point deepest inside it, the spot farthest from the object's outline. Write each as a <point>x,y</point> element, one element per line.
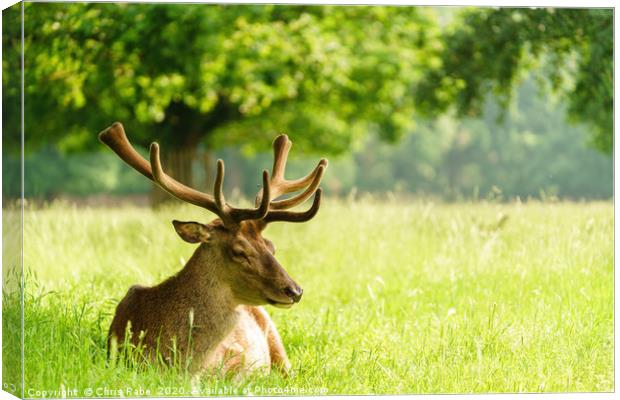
<point>210,310</point>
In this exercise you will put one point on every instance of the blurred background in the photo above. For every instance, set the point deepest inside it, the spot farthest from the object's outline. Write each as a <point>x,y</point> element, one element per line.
<point>445,103</point>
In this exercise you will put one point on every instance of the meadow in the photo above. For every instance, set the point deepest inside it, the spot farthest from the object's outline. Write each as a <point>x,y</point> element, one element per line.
<point>399,297</point>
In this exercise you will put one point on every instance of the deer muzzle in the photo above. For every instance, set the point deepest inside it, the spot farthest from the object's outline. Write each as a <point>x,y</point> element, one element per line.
<point>294,292</point>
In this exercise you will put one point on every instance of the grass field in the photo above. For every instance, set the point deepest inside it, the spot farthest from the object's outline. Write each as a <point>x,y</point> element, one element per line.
<point>398,298</point>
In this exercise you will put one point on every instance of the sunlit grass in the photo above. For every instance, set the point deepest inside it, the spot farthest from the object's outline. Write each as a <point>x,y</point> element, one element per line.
<point>398,297</point>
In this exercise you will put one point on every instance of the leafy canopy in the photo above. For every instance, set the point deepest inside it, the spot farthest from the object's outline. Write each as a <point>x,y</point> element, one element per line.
<point>181,73</point>
<point>327,75</point>
<point>489,50</point>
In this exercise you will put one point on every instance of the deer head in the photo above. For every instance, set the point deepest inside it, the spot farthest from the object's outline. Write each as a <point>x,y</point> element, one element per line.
<point>244,259</point>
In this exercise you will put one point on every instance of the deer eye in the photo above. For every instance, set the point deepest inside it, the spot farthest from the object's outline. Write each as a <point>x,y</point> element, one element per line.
<point>239,253</point>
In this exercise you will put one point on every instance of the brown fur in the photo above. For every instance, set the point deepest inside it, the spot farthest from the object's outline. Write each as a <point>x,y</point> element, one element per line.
<point>214,300</point>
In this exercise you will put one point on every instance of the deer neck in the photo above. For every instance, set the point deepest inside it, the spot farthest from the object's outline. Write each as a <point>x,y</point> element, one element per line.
<point>201,288</point>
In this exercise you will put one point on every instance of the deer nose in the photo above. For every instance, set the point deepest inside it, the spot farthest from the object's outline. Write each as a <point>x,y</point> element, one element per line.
<point>294,292</point>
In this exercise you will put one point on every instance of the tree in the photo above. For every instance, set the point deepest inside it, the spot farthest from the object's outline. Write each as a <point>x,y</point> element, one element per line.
<point>187,75</point>
<point>531,152</point>
<point>490,50</point>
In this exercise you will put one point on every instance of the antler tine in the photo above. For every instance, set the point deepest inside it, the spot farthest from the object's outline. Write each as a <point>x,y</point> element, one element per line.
<point>262,210</point>
<point>218,193</point>
<point>229,215</point>
<point>290,216</point>
<point>233,215</point>
<point>115,137</point>
<point>176,188</point>
<point>315,180</point>
<point>280,186</point>
<point>281,147</point>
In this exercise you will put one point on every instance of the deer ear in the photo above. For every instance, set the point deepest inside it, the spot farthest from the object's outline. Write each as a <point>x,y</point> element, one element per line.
<point>191,232</point>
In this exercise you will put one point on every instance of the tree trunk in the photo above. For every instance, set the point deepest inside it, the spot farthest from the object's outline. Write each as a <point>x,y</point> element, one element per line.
<point>177,163</point>
<point>181,133</point>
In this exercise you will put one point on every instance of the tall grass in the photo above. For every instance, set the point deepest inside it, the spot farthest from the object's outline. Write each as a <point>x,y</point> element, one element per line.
<point>398,298</point>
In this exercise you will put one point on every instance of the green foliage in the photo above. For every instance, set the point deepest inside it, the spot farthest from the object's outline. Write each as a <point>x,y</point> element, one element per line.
<point>51,174</point>
<point>489,49</point>
<point>211,76</point>
<point>179,73</point>
<point>456,302</point>
<point>531,151</point>
<point>11,74</point>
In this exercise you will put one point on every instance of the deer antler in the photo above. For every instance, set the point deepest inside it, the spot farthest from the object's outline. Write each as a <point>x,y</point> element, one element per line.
<point>116,139</point>
<point>280,186</point>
